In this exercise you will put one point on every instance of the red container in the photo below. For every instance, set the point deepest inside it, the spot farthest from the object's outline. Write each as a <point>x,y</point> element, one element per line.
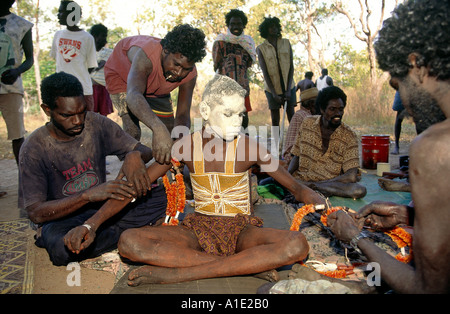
<point>375,148</point>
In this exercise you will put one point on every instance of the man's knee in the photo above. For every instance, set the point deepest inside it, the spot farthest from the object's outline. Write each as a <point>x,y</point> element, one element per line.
<point>57,251</point>
<point>127,242</point>
<point>358,191</point>
<point>297,247</point>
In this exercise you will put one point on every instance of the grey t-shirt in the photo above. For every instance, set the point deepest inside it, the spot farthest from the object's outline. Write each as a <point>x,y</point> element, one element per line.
<point>50,169</point>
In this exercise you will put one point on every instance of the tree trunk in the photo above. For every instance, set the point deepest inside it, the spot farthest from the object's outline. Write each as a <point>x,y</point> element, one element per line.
<point>36,53</point>
<point>365,33</point>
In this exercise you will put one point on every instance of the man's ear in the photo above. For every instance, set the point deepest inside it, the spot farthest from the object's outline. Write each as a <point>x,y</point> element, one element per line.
<point>418,67</point>
<point>46,109</point>
<point>205,110</point>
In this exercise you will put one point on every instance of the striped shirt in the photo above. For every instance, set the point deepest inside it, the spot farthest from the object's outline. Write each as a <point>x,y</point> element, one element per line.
<point>341,156</point>
<point>293,129</point>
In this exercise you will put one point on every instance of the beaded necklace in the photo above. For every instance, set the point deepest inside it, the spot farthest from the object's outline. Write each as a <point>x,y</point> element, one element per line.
<point>176,195</point>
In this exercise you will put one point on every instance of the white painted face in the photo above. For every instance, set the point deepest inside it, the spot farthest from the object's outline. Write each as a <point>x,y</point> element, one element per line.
<point>225,120</point>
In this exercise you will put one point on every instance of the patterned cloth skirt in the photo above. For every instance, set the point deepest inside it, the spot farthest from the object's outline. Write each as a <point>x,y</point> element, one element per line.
<point>219,235</point>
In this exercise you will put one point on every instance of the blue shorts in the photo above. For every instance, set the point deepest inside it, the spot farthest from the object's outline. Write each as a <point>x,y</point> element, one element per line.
<point>146,210</point>
<point>397,105</point>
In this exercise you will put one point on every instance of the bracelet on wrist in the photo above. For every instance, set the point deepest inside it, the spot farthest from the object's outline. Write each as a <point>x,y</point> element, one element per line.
<point>354,242</point>
<point>88,226</point>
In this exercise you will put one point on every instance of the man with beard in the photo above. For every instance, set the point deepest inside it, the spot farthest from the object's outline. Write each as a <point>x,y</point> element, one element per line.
<point>325,153</point>
<point>413,47</point>
<point>62,174</point>
<point>140,74</point>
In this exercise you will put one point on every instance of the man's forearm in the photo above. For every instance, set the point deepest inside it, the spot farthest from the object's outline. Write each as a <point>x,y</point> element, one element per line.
<point>146,152</point>
<point>108,210</point>
<point>402,278</point>
<point>140,108</point>
<point>56,209</point>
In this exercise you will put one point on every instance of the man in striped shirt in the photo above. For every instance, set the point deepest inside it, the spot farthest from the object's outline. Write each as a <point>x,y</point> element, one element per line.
<point>326,155</point>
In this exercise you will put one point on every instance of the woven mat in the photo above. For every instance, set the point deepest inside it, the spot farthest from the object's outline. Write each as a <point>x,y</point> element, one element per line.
<point>276,214</point>
<point>16,262</point>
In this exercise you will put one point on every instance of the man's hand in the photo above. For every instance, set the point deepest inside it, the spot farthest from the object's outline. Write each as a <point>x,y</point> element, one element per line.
<point>278,99</point>
<point>10,76</point>
<point>162,145</point>
<point>133,168</point>
<point>79,238</point>
<point>383,215</point>
<point>115,189</point>
<point>343,225</point>
<point>309,196</point>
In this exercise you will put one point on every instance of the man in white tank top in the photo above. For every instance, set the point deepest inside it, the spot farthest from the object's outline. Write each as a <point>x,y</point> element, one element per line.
<point>324,80</point>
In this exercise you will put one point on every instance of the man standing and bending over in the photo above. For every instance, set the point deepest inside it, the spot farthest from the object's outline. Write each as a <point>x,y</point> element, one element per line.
<point>326,155</point>
<point>223,237</point>
<point>140,74</point>
<point>62,173</point>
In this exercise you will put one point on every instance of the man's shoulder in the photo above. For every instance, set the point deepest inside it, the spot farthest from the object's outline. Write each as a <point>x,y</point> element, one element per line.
<point>99,121</point>
<point>436,138</point>
<point>311,120</point>
<point>36,139</point>
<point>19,20</point>
<point>300,115</point>
<point>347,130</point>
<point>264,43</point>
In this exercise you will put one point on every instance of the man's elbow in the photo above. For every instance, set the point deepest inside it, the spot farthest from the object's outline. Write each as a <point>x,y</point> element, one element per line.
<point>34,217</point>
<point>131,100</point>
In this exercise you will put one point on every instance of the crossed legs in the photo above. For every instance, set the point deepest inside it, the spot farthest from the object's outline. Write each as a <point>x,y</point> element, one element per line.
<point>172,253</point>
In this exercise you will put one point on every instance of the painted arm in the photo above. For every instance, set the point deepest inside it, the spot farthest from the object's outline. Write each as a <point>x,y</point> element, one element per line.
<point>141,67</point>
<point>272,167</point>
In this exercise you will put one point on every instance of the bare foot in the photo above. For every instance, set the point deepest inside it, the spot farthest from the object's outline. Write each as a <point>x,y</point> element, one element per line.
<point>270,275</point>
<point>396,151</point>
<point>150,274</point>
<point>392,185</point>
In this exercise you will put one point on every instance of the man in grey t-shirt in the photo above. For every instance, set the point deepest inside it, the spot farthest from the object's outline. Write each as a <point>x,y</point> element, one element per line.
<point>62,173</point>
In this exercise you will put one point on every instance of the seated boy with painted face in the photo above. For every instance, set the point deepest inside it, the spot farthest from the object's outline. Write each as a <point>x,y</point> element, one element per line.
<point>223,237</point>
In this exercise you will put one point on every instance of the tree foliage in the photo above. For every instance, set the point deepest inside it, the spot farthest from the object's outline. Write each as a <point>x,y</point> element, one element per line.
<point>306,23</point>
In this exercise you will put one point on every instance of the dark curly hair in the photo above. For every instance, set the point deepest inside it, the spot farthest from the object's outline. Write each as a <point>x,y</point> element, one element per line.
<point>266,24</point>
<point>416,26</point>
<point>98,29</point>
<point>59,84</point>
<point>187,40</point>
<point>327,94</point>
<point>236,13</point>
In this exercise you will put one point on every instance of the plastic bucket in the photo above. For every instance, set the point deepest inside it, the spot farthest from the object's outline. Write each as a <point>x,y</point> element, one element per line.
<point>375,148</point>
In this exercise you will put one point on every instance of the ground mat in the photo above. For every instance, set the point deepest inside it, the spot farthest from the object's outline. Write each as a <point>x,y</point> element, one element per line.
<point>16,269</point>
